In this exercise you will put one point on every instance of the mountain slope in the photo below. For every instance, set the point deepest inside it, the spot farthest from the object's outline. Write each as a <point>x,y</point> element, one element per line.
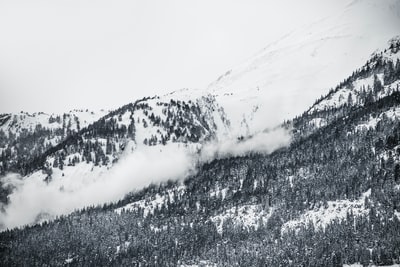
<point>375,80</point>
<point>23,135</point>
<point>331,198</point>
<point>126,149</point>
<point>285,77</point>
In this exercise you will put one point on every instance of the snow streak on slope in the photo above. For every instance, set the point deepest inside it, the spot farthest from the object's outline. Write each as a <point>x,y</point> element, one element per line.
<point>335,210</point>
<point>248,216</point>
<point>285,78</point>
<point>371,123</point>
<point>150,205</point>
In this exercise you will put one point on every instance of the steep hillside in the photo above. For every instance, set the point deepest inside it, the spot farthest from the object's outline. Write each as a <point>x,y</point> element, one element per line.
<point>284,78</point>
<point>375,80</point>
<point>68,161</point>
<point>331,198</point>
<point>26,140</point>
<point>24,135</point>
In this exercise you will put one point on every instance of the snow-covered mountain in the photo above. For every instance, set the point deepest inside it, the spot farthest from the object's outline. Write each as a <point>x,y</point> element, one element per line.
<point>279,82</point>
<point>329,198</point>
<point>283,79</point>
<point>150,121</point>
<point>80,151</point>
<point>375,81</point>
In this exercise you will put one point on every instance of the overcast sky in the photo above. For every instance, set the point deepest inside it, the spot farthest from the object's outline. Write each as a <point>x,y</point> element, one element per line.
<point>60,55</point>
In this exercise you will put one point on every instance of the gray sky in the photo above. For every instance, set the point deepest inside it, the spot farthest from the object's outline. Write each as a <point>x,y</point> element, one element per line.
<point>60,55</point>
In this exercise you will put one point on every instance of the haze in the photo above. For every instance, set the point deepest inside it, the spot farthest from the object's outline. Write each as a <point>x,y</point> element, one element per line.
<point>59,55</point>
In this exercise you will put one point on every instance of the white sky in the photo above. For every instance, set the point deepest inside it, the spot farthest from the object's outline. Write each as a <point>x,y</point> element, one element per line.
<point>60,55</point>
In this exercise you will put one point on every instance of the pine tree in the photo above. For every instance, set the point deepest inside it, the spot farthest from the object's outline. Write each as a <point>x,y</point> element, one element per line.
<point>377,85</point>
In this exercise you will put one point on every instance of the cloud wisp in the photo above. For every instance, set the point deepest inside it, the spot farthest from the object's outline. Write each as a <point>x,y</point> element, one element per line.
<point>34,200</point>
<point>264,142</point>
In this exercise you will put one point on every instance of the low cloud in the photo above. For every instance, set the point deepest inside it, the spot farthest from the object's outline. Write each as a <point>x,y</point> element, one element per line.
<point>264,142</point>
<point>34,200</point>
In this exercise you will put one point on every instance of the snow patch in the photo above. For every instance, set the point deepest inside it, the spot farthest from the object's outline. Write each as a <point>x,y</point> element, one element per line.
<point>335,210</point>
<point>397,214</point>
<point>392,114</point>
<point>150,205</point>
<point>318,122</point>
<point>201,263</point>
<point>248,216</point>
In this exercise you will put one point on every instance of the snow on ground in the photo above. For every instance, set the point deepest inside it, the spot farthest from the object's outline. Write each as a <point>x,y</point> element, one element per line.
<point>184,94</point>
<point>24,120</point>
<point>248,216</point>
<point>336,210</point>
<point>219,192</point>
<point>87,117</point>
<point>27,121</point>
<point>393,113</point>
<point>397,214</point>
<point>213,112</point>
<point>52,141</point>
<point>317,122</point>
<point>75,186</point>
<point>338,99</point>
<point>125,119</point>
<point>150,205</point>
<point>363,83</point>
<point>69,260</point>
<point>341,97</point>
<point>123,247</point>
<point>210,112</point>
<point>145,129</point>
<point>201,263</point>
<point>369,124</point>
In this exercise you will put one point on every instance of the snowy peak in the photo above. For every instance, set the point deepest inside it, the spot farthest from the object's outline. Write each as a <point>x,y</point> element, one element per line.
<point>174,117</point>
<point>285,77</point>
